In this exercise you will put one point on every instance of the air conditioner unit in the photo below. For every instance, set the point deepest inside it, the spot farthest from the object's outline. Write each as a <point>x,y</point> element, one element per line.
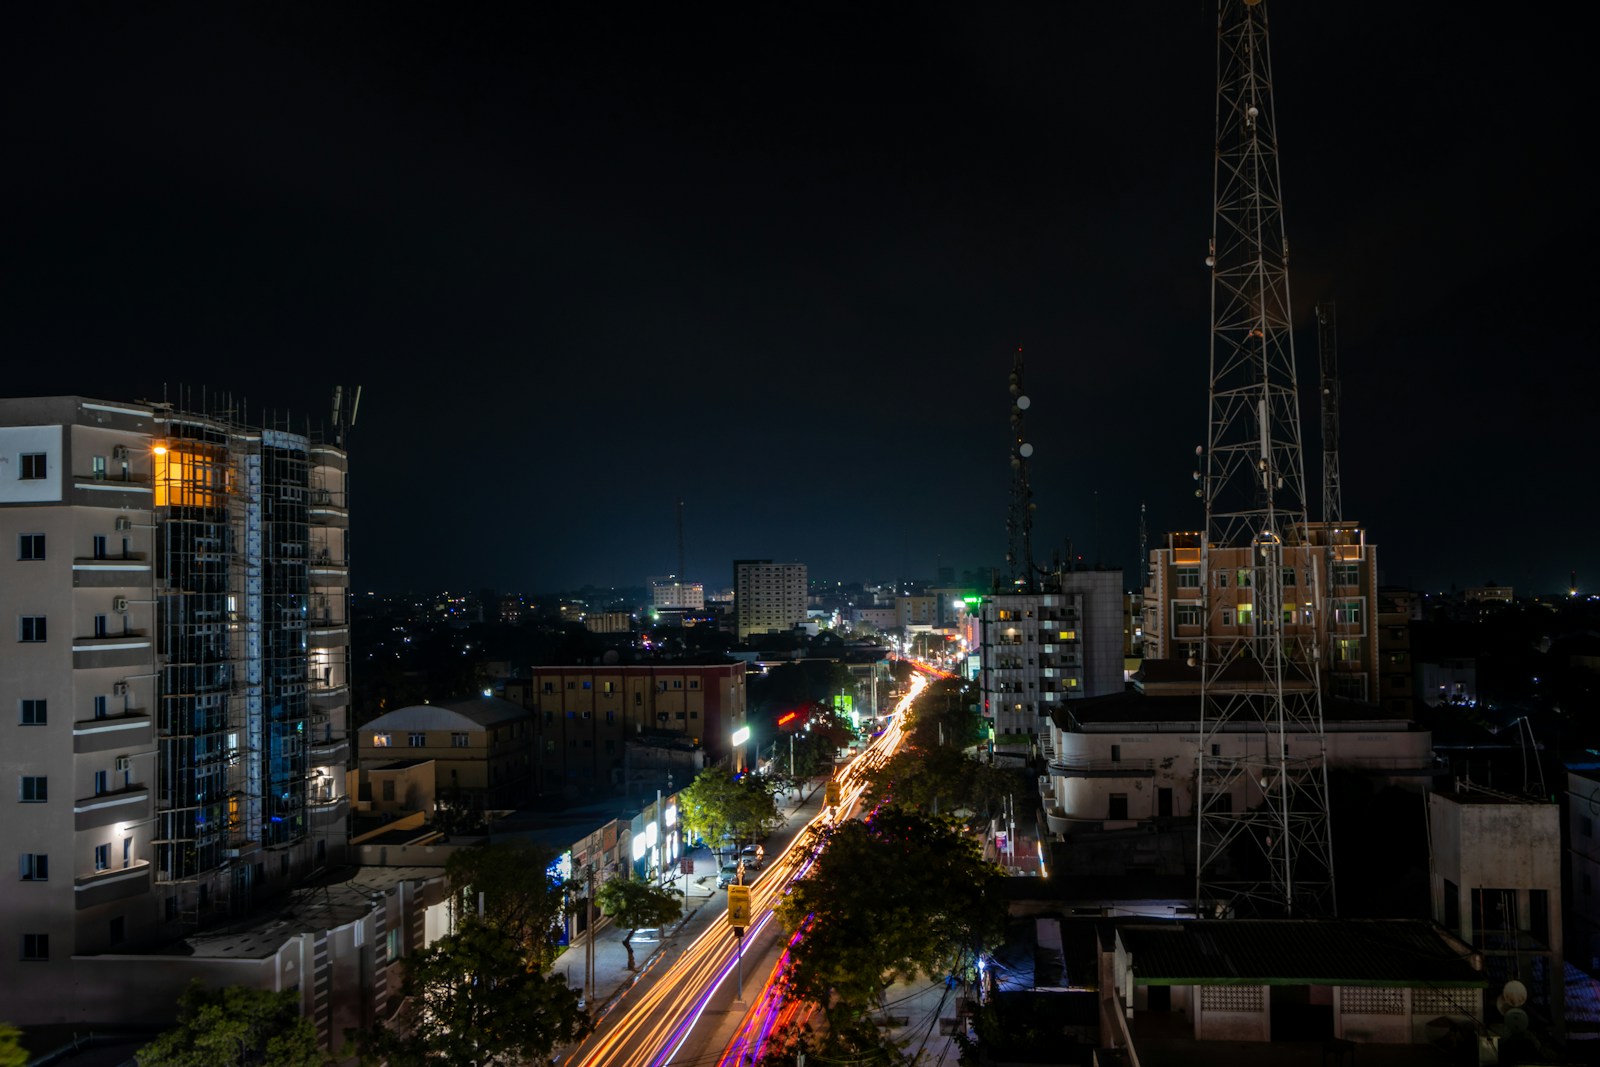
<point>119,452</point>
<point>124,523</point>
<point>119,604</point>
<point>124,763</point>
<point>119,688</point>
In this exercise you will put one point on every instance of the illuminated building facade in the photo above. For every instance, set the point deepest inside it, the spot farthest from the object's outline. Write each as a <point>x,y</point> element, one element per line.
<point>767,596</point>
<point>174,686</point>
<point>1342,619</point>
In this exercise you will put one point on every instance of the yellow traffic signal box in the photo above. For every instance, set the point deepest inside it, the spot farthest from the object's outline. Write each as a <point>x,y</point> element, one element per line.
<point>739,906</point>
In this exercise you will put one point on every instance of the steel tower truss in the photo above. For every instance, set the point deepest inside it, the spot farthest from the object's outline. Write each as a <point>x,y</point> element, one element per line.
<point>1264,843</point>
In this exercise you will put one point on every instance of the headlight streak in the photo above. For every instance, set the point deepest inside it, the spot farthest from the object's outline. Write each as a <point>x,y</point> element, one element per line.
<point>654,1028</point>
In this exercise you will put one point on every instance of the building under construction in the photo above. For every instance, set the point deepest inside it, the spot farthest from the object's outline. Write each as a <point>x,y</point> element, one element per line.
<point>182,652</point>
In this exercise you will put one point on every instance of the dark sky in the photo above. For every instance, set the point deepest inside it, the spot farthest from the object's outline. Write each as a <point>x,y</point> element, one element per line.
<point>589,259</point>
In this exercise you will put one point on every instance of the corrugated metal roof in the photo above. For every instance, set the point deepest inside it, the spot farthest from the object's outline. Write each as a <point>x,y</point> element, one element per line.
<point>1375,952</point>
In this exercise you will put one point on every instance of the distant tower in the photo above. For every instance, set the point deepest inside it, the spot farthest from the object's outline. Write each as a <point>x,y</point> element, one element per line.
<point>1259,670</point>
<point>681,577</point>
<point>1328,350</point>
<point>1019,523</point>
<point>1144,550</point>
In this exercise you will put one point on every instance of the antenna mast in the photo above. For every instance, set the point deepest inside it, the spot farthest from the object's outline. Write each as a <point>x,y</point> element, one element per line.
<point>680,542</point>
<point>1019,523</point>
<point>1264,838</point>
<point>1327,348</point>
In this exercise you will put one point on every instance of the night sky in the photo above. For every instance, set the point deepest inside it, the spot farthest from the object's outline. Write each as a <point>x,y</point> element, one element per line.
<point>588,260</point>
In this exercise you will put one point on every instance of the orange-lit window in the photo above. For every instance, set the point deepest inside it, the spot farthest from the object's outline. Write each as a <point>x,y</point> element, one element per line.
<point>189,475</point>
<point>233,813</point>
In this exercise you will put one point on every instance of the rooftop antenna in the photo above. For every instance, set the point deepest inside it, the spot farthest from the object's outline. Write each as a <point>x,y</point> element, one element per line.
<point>681,578</point>
<point>1019,523</point>
<point>1144,550</point>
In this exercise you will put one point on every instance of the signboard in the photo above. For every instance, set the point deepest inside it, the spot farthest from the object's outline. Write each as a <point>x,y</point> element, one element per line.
<point>686,865</point>
<point>739,906</point>
<point>831,796</point>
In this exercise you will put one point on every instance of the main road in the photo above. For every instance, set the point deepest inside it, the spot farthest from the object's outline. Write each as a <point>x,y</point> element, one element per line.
<point>718,986</point>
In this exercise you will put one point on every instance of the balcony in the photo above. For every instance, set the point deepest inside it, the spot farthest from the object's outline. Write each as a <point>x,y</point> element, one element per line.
<point>129,649</point>
<point>113,572</point>
<point>102,485</point>
<point>329,696</point>
<point>129,731</point>
<point>1056,820</point>
<point>328,812</point>
<point>331,753</point>
<point>1104,768</point>
<point>106,809</point>
<point>117,883</point>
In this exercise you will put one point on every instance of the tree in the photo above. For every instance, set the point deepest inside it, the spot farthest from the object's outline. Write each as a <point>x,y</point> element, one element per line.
<point>12,1054</point>
<point>638,905</point>
<point>234,1027</point>
<point>471,1000</point>
<point>520,897</point>
<point>900,896</point>
<point>722,809</point>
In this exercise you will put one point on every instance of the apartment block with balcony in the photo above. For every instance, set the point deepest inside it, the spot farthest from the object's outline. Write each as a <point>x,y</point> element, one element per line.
<point>1038,650</point>
<point>767,596</point>
<point>1329,601</point>
<point>171,721</point>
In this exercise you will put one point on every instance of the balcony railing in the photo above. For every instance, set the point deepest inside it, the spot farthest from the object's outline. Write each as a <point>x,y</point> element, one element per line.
<point>1103,768</point>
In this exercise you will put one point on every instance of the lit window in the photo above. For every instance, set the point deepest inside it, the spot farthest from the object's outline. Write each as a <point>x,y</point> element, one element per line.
<point>102,857</point>
<point>1246,614</point>
<point>382,740</point>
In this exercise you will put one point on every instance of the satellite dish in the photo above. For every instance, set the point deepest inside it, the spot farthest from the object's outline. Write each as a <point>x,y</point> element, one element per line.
<point>1024,403</point>
<point>1515,994</point>
<point>1024,450</point>
<point>1516,1021</point>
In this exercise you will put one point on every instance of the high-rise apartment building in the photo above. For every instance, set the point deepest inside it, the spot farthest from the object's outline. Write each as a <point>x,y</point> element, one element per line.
<point>671,592</point>
<point>1040,648</point>
<point>767,596</point>
<point>173,682</point>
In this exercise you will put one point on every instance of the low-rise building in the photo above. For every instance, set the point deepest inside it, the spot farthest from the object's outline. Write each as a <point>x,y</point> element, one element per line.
<point>481,749</point>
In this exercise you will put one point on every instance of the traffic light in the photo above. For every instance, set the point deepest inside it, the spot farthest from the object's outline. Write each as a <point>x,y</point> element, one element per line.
<point>739,906</point>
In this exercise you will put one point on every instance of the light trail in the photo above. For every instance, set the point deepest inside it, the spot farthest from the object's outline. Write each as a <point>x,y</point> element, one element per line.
<point>655,1027</point>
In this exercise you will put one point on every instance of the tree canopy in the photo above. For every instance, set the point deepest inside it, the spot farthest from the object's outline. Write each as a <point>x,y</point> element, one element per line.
<point>235,1027</point>
<point>637,905</point>
<point>470,1001</point>
<point>12,1054</point>
<point>520,898</point>
<point>900,896</point>
<point>723,809</point>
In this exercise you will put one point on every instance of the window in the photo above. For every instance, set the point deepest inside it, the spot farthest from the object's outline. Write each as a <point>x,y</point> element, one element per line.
<point>127,851</point>
<point>98,466</point>
<point>1119,806</point>
<point>33,713</point>
<point>34,867</point>
<point>102,782</point>
<point>100,629</point>
<point>1288,614</point>
<point>1347,613</point>
<point>1187,615</point>
<point>1067,635</point>
<point>1348,650</point>
<point>35,947</point>
<point>1246,614</point>
<point>1347,574</point>
<point>30,546</point>
<point>1227,616</point>
<point>611,716</point>
<point>100,707</point>
<point>677,683</point>
<point>1116,753</point>
<point>1222,579</point>
<point>694,683</point>
<point>102,857</point>
<point>417,740</point>
<point>32,466</point>
<point>1188,577</point>
<point>608,687</point>
<point>31,628</point>
<point>587,684</point>
<point>458,741</point>
<point>638,698</point>
<point>392,943</point>
<point>35,789</point>
<point>98,546</point>
<point>572,685</point>
<point>549,687</point>
<point>382,740</point>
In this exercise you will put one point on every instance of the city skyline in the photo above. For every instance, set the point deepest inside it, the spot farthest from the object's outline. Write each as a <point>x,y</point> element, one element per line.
<point>776,265</point>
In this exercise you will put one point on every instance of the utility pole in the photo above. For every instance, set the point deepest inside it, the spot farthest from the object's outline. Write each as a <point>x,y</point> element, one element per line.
<point>588,943</point>
<point>1259,668</point>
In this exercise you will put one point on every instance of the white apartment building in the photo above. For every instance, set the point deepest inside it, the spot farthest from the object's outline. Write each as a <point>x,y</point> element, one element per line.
<point>671,593</point>
<point>767,596</point>
<point>174,649</point>
<point>1040,649</point>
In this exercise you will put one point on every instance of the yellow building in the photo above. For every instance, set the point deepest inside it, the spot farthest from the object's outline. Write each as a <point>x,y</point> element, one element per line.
<point>482,749</point>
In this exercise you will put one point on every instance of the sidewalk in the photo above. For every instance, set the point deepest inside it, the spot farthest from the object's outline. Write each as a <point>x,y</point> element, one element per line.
<point>705,904</point>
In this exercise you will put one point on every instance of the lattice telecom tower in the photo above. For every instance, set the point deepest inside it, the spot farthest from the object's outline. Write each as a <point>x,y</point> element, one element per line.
<point>1019,523</point>
<point>1262,791</point>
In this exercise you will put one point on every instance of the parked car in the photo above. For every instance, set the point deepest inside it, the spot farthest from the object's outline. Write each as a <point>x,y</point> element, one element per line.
<point>754,857</point>
<point>728,875</point>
